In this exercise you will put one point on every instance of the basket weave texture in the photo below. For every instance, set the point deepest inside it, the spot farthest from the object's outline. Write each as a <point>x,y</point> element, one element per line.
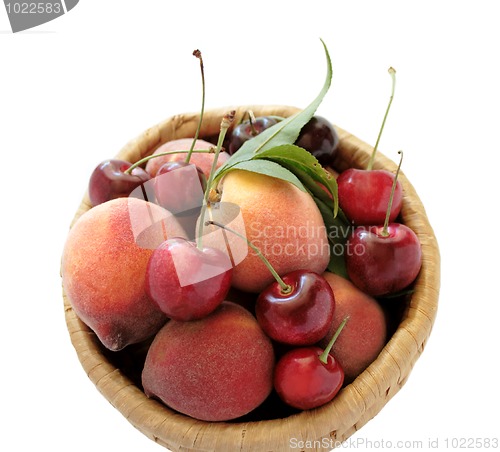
<point>330,424</point>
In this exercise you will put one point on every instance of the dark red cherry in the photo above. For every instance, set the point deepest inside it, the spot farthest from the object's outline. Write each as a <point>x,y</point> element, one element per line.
<point>383,262</point>
<point>109,181</point>
<point>179,186</point>
<point>249,129</point>
<point>320,138</point>
<point>186,282</point>
<point>301,315</point>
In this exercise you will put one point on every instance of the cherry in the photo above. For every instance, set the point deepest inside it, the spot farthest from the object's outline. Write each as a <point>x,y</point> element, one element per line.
<point>110,180</point>
<point>249,129</point>
<point>308,377</point>
<point>390,259</point>
<point>300,315</point>
<point>186,282</point>
<point>363,194</point>
<point>179,186</point>
<point>320,138</point>
<point>383,259</point>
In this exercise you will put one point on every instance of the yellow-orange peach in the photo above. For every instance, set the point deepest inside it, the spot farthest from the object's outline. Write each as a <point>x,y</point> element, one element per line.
<point>203,161</point>
<point>104,265</point>
<point>282,221</point>
<point>364,335</point>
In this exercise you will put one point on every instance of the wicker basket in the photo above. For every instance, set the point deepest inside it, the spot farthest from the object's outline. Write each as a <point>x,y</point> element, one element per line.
<point>355,405</point>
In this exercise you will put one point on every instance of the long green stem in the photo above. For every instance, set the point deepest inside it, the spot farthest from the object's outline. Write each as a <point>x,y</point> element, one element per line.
<point>285,288</point>
<point>385,231</point>
<point>324,356</point>
<point>197,54</point>
<point>225,124</point>
<point>392,72</point>
<point>161,154</point>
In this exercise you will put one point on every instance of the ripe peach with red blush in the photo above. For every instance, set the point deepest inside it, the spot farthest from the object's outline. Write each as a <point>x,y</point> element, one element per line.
<point>104,266</point>
<point>364,336</point>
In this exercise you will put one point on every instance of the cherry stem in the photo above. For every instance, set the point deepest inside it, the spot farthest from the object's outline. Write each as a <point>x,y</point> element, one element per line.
<point>161,154</point>
<point>392,72</point>
<point>324,356</point>
<point>197,54</point>
<point>226,122</point>
<point>385,231</point>
<point>251,118</point>
<point>285,288</point>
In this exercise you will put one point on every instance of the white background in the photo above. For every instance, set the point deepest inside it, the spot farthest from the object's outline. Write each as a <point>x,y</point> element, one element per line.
<point>74,90</point>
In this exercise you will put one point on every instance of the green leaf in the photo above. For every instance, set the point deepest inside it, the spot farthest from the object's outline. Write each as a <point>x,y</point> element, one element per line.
<point>270,168</point>
<point>284,132</point>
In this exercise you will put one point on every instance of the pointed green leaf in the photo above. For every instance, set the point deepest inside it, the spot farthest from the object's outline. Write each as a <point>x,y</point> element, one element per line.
<point>284,132</point>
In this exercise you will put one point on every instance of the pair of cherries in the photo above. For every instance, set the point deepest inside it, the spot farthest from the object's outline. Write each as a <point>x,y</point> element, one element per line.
<point>384,256</point>
<point>298,310</point>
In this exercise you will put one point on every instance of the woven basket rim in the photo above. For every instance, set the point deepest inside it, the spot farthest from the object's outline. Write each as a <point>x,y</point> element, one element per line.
<point>355,405</point>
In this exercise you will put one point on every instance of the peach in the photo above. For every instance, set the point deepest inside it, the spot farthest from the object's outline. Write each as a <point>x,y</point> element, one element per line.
<point>203,161</point>
<point>104,265</point>
<point>282,221</point>
<point>365,333</point>
<point>213,369</point>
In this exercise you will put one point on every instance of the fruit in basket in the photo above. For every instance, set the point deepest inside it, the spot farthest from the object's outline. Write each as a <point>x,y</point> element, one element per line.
<point>281,220</point>
<point>359,345</point>
<point>201,160</point>
<point>179,186</point>
<point>390,262</point>
<point>308,377</point>
<point>364,194</point>
<point>187,282</point>
<point>320,138</point>
<point>104,266</point>
<point>249,129</point>
<point>300,314</point>
<point>109,180</point>
<point>213,369</point>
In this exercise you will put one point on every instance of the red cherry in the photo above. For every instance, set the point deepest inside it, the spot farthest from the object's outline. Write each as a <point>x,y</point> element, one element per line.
<point>383,259</point>
<point>249,129</point>
<point>381,263</point>
<point>109,180</point>
<point>320,138</point>
<point>181,188</point>
<point>309,377</point>
<point>364,195</point>
<point>186,282</point>
<point>299,316</point>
